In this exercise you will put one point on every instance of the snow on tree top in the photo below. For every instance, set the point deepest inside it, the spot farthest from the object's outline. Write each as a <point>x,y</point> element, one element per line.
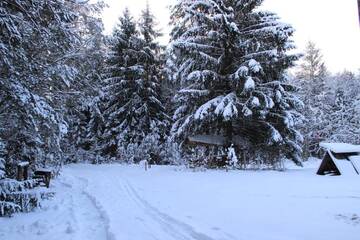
<point>341,147</point>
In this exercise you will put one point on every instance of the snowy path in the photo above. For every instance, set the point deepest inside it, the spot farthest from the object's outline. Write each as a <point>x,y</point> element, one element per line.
<point>71,215</point>
<point>115,202</point>
<point>135,217</point>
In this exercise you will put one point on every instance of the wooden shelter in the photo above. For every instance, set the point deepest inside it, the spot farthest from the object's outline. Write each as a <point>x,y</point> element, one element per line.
<point>43,175</point>
<point>221,142</point>
<point>340,159</point>
<point>216,140</point>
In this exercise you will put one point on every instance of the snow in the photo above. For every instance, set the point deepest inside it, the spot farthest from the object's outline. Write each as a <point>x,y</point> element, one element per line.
<point>275,135</point>
<point>71,215</point>
<point>255,66</point>
<point>44,169</point>
<point>117,202</point>
<point>348,166</point>
<point>344,165</point>
<point>255,102</point>
<point>249,84</point>
<point>230,111</point>
<point>355,160</point>
<point>205,109</point>
<point>242,71</point>
<point>23,164</point>
<point>341,147</point>
<point>232,156</point>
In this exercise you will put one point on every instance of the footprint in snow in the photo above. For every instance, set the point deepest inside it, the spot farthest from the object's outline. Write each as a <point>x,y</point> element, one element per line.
<point>353,219</point>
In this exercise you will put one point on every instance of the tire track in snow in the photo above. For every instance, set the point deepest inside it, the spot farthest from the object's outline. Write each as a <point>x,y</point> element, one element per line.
<point>166,226</point>
<point>91,230</point>
<point>70,198</point>
<point>103,214</point>
<point>174,227</point>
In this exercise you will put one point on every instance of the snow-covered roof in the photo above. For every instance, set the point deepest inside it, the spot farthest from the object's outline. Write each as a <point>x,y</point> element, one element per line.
<point>217,140</point>
<point>355,160</point>
<point>341,147</point>
<point>213,140</point>
<point>23,164</point>
<point>43,170</point>
<point>345,166</point>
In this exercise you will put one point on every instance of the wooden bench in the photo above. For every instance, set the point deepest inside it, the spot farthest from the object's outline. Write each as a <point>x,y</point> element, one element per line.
<point>43,176</point>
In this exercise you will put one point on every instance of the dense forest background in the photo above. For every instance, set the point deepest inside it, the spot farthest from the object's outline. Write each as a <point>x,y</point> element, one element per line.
<point>70,94</point>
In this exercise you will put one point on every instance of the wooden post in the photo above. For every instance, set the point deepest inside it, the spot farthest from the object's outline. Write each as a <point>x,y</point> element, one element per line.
<point>146,165</point>
<point>22,171</point>
<point>26,172</point>
<point>19,175</point>
<point>47,180</point>
<point>245,164</point>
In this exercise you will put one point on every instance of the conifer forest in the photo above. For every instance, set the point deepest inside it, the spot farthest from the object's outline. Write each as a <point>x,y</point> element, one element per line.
<point>214,134</point>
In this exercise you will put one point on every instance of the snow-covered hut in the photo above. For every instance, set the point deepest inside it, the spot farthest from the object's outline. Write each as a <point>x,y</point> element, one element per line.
<point>238,143</point>
<point>340,159</point>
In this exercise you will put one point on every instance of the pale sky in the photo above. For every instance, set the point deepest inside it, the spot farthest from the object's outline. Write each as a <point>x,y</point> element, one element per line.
<point>332,24</point>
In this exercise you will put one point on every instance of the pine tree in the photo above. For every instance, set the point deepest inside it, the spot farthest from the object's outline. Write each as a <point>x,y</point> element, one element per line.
<point>311,79</point>
<point>313,66</point>
<point>231,62</point>
<point>134,115</point>
<point>148,31</point>
<point>44,63</point>
<point>341,121</point>
<point>50,60</point>
<point>82,106</point>
<point>34,43</point>
<point>157,137</point>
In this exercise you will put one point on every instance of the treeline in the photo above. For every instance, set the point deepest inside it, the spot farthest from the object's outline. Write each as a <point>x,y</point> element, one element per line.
<point>222,75</point>
<point>52,53</point>
<point>70,94</point>
<point>332,103</point>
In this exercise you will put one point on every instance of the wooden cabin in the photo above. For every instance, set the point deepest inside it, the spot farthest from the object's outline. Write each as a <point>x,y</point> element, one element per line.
<point>340,159</point>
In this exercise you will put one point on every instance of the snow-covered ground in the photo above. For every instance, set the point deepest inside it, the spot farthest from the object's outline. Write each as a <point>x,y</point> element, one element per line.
<point>116,202</point>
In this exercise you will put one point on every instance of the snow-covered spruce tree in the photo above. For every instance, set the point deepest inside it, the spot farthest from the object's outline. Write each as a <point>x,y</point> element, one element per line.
<point>42,62</point>
<point>83,111</point>
<point>312,67</point>
<point>311,78</point>
<point>330,103</point>
<point>35,39</point>
<point>134,114</point>
<point>333,113</point>
<point>341,110</point>
<point>16,196</point>
<point>46,47</point>
<point>231,62</point>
